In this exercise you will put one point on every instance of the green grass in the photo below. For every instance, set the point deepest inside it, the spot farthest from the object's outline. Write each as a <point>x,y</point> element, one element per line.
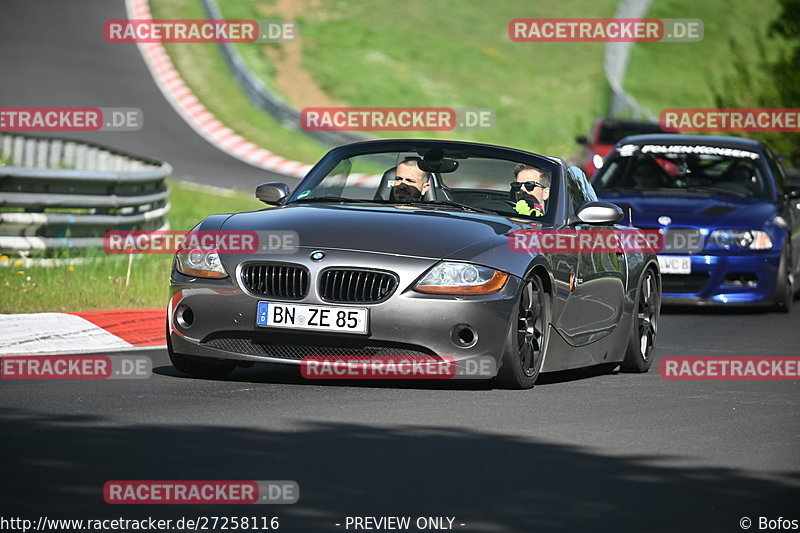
<point>191,205</point>
<point>675,75</point>
<point>203,68</point>
<point>454,53</point>
<point>368,54</point>
<point>100,281</point>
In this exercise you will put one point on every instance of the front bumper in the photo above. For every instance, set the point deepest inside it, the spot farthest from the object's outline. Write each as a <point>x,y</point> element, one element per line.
<point>408,323</point>
<point>724,279</point>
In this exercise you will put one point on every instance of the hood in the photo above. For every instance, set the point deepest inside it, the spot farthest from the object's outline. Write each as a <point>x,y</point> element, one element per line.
<point>392,230</point>
<point>686,209</point>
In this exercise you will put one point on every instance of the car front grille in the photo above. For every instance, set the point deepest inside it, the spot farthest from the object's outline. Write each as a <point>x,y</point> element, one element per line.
<point>298,351</point>
<point>684,283</point>
<point>341,285</point>
<point>278,281</point>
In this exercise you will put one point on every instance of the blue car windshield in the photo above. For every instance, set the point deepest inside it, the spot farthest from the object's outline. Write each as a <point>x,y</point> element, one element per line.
<point>690,168</point>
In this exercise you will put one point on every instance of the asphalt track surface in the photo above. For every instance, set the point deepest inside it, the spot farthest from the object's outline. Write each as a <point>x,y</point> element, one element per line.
<point>580,452</point>
<point>52,54</point>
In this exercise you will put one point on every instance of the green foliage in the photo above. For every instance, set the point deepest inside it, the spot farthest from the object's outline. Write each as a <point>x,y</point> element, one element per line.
<point>771,82</point>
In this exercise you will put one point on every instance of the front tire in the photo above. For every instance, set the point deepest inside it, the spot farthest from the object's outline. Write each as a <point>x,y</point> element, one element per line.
<point>194,367</point>
<point>527,341</point>
<point>784,286</point>
<point>639,354</point>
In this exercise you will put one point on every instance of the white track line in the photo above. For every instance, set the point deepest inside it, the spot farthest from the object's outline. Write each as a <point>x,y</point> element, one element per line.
<point>200,119</point>
<point>41,333</point>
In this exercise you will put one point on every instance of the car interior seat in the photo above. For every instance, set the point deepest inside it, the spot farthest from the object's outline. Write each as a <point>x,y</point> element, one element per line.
<point>435,192</point>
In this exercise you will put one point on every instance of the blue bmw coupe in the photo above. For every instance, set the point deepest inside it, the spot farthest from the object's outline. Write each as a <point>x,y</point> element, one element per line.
<point>729,215</point>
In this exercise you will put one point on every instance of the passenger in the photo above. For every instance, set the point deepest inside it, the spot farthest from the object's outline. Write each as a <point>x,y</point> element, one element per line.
<point>530,190</point>
<point>646,175</point>
<point>745,177</point>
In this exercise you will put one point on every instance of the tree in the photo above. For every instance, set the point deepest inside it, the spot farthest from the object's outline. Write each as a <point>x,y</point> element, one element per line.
<point>774,83</point>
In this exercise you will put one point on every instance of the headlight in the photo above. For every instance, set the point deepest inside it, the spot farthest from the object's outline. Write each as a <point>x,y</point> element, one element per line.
<point>750,239</point>
<point>597,159</point>
<point>461,278</point>
<point>200,263</point>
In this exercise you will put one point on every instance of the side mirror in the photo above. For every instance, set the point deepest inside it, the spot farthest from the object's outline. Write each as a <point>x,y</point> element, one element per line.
<point>273,193</point>
<point>582,139</point>
<point>600,213</point>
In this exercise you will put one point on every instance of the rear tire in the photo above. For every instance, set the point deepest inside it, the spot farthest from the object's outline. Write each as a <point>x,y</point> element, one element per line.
<point>194,367</point>
<point>639,354</point>
<point>527,341</point>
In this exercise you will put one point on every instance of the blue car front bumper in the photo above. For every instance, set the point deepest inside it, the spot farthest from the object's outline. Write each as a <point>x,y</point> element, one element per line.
<point>725,279</point>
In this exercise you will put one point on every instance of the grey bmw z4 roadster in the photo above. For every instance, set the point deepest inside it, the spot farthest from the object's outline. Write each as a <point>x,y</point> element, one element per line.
<point>420,249</point>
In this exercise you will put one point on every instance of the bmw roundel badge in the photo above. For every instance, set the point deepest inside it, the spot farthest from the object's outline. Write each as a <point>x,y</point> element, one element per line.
<point>664,220</point>
<point>317,255</point>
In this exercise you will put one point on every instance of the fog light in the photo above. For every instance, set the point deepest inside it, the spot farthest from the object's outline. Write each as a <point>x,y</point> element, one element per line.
<point>740,279</point>
<point>464,336</point>
<point>184,316</point>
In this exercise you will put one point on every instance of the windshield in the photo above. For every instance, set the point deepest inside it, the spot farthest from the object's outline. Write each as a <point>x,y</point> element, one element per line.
<point>437,179</point>
<point>695,168</point>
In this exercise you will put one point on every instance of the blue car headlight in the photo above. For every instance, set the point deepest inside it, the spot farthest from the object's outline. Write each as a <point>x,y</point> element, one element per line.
<point>747,239</point>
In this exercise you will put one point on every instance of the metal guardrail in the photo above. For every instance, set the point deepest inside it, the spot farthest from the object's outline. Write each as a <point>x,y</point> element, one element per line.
<point>62,193</point>
<point>265,99</point>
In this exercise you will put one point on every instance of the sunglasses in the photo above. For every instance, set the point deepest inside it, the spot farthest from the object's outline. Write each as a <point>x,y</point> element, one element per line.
<point>529,185</point>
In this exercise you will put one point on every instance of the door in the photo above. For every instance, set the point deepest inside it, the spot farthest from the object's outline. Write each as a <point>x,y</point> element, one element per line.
<point>597,289</point>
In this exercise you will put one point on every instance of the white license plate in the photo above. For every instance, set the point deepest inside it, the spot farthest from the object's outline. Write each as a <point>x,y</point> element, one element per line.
<point>313,317</point>
<point>673,264</point>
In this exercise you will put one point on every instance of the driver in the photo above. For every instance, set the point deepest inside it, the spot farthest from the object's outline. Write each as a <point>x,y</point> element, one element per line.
<point>646,175</point>
<point>745,177</point>
<point>410,182</point>
<point>530,189</point>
